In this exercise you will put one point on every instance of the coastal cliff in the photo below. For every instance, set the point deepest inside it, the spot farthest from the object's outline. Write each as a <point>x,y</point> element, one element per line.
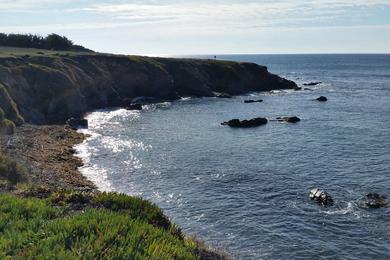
<point>49,88</point>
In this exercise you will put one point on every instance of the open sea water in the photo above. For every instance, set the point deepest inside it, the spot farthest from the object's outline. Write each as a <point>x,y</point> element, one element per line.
<point>246,190</point>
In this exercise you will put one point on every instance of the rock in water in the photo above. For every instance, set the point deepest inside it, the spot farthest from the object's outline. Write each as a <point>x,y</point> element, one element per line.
<point>223,95</point>
<point>246,123</point>
<point>321,197</point>
<point>322,99</point>
<point>253,101</point>
<point>312,84</point>
<point>76,123</point>
<point>292,119</point>
<point>373,201</point>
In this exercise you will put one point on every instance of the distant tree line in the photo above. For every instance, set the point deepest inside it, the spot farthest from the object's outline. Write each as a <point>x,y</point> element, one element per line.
<point>50,42</point>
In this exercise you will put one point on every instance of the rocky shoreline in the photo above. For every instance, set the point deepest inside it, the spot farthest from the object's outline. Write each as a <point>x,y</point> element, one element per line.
<point>48,155</point>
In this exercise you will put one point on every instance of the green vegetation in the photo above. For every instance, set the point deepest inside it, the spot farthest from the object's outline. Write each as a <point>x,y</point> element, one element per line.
<point>108,226</point>
<point>50,42</point>
<point>10,171</point>
<point>9,108</point>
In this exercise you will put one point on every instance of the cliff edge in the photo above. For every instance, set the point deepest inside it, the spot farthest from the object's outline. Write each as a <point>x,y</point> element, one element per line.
<point>48,88</point>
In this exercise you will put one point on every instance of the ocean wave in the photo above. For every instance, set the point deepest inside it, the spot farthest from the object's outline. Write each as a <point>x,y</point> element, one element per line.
<point>98,176</point>
<point>153,107</point>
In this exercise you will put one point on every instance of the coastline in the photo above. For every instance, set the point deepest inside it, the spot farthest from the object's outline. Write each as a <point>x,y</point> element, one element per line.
<point>48,154</point>
<point>66,85</point>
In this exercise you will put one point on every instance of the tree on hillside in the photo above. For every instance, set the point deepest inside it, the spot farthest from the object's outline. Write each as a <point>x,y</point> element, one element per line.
<point>51,42</point>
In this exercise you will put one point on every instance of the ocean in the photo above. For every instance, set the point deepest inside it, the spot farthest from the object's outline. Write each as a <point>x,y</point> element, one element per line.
<point>246,190</point>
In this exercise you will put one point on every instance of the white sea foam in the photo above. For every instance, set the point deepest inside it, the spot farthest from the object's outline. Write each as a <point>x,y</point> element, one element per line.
<point>153,107</point>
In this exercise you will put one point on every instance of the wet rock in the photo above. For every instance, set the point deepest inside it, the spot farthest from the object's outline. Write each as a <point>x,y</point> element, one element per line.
<point>308,89</point>
<point>246,123</point>
<point>134,107</point>
<point>322,99</point>
<point>373,201</point>
<point>253,101</point>
<point>223,95</point>
<point>76,123</point>
<point>292,119</point>
<point>312,84</point>
<point>321,197</point>
<point>297,88</point>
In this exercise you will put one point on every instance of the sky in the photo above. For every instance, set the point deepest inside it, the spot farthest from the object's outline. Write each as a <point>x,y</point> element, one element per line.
<point>177,27</point>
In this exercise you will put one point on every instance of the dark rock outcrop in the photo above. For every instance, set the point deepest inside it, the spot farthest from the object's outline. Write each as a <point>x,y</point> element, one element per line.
<point>312,84</point>
<point>246,123</point>
<point>49,89</point>
<point>134,107</point>
<point>289,119</point>
<point>321,197</point>
<point>373,201</point>
<point>76,123</point>
<point>253,101</point>
<point>322,99</point>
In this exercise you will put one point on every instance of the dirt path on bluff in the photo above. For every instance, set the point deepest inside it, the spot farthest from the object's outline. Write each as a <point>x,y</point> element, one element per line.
<point>47,153</point>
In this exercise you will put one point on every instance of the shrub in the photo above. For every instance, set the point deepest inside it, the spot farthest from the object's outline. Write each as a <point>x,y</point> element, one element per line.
<point>7,127</point>
<point>10,170</point>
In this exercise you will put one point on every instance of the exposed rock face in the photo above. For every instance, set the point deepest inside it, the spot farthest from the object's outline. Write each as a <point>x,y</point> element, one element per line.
<point>51,89</point>
<point>322,99</point>
<point>76,123</point>
<point>373,200</point>
<point>134,107</point>
<point>321,197</point>
<point>246,123</point>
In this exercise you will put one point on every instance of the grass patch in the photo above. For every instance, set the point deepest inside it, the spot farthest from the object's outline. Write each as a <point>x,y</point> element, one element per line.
<point>39,228</point>
<point>8,107</point>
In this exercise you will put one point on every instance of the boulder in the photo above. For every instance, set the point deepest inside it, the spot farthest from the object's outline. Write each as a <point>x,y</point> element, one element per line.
<point>292,119</point>
<point>312,84</point>
<point>253,101</point>
<point>373,201</point>
<point>322,99</point>
<point>134,107</point>
<point>246,123</point>
<point>321,197</point>
<point>76,123</point>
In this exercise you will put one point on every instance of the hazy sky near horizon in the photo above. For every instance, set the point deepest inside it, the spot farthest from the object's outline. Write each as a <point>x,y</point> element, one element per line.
<point>207,27</point>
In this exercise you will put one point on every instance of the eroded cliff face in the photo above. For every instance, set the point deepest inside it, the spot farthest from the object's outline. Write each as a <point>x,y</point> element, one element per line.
<point>50,89</point>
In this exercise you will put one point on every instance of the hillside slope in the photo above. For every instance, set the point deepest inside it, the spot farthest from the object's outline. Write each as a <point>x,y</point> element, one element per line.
<point>49,88</point>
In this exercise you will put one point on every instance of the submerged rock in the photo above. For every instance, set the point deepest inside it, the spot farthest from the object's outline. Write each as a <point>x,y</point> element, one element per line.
<point>373,201</point>
<point>322,99</point>
<point>321,197</point>
<point>312,84</point>
<point>246,123</point>
<point>253,101</point>
<point>76,123</point>
<point>134,107</point>
<point>292,119</point>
